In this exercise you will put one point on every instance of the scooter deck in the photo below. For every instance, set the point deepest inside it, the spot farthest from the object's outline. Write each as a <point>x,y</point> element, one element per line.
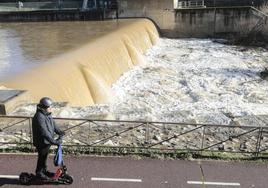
<point>34,180</point>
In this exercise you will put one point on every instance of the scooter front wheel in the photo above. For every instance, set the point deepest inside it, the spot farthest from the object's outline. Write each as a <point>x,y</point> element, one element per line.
<point>66,179</point>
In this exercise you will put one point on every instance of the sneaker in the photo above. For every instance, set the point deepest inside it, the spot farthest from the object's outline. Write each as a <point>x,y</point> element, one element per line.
<point>49,174</point>
<point>42,176</point>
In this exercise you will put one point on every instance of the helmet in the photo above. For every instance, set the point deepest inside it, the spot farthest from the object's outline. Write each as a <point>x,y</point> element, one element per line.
<point>45,102</point>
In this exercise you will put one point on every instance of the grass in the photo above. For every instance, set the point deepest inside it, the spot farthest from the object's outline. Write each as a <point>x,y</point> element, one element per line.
<point>147,153</point>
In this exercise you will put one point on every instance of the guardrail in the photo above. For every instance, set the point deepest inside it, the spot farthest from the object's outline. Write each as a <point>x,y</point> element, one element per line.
<point>232,3</point>
<point>217,3</point>
<point>15,131</point>
<point>190,4</point>
<point>46,5</point>
<point>58,5</point>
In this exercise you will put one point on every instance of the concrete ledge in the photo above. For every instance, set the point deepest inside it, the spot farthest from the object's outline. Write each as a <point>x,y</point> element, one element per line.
<point>10,99</point>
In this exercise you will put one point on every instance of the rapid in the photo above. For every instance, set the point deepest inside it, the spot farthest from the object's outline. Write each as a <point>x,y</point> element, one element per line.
<point>185,80</point>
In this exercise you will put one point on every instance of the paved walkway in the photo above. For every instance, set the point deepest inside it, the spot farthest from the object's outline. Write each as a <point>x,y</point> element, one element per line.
<point>115,172</point>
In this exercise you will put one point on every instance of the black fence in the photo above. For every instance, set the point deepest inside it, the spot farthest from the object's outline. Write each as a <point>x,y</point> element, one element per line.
<point>141,136</point>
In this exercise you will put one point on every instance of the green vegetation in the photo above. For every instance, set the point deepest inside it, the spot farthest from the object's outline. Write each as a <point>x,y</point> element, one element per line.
<point>148,153</point>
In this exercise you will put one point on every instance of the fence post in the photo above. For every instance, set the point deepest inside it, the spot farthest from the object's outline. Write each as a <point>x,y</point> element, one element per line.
<point>31,133</point>
<point>147,134</point>
<point>203,139</point>
<point>258,143</point>
<point>88,133</point>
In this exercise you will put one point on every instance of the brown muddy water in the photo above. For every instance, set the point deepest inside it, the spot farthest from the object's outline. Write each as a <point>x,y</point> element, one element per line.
<point>25,45</point>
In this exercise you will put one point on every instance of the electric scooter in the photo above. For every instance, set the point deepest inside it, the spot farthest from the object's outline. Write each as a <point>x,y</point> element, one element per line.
<point>60,177</point>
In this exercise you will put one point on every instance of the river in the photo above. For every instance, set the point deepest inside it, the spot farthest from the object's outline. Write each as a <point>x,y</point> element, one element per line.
<point>25,45</point>
<point>190,80</point>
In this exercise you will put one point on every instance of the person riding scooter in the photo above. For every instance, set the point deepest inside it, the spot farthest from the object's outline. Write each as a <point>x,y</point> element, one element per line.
<point>44,128</point>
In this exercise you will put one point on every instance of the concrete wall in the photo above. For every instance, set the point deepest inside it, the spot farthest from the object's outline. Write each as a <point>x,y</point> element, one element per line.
<point>264,9</point>
<point>265,30</point>
<point>211,22</point>
<point>189,22</point>
<point>160,11</point>
<point>263,13</point>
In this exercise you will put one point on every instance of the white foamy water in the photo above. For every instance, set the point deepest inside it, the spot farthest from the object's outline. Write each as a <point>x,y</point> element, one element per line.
<point>194,80</point>
<point>186,80</point>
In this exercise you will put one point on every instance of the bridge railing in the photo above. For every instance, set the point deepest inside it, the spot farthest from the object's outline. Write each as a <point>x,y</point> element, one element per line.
<point>216,3</point>
<point>46,5</point>
<point>231,3</point>
<point>15,131</point>
<point>190,4</point>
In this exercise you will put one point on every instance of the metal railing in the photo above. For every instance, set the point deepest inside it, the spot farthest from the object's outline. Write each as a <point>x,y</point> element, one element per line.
<point>217,3</point>
<point>190,4</point>
<point>58,5</point>
<point>46,5</point>
<point>15,131</point>
<point>230,3</point>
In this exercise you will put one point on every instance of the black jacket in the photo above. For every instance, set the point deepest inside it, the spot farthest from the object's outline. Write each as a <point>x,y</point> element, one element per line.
<point>44,127</point>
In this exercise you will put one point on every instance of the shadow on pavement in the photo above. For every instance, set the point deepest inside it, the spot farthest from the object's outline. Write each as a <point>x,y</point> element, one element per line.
<point>6,181</point>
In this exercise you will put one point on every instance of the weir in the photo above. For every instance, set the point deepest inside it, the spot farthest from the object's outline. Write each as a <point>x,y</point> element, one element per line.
<point>84,76</point>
